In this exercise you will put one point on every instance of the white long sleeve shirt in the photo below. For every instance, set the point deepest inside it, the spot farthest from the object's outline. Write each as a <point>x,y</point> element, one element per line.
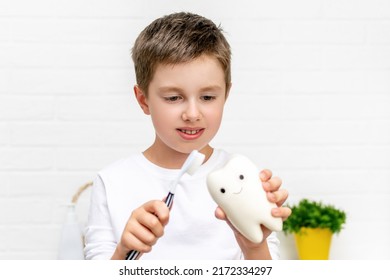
<point>192,233</point>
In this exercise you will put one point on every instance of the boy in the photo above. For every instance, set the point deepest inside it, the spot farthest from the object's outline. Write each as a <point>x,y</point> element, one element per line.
<point>182,65</point>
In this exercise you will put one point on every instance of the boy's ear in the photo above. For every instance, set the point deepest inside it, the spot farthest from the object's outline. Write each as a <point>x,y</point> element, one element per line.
<point>142,100</point>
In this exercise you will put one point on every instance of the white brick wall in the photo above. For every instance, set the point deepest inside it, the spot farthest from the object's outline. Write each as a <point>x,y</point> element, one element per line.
<point>310,100</point>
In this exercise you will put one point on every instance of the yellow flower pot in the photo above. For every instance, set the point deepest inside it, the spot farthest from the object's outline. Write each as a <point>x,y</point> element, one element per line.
<point>313,243</point>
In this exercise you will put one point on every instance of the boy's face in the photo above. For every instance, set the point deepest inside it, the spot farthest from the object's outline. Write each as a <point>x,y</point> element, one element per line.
<point>186,103</point>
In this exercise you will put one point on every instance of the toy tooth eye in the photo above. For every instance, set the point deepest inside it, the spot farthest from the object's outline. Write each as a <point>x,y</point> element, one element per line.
<point>241,177</point>
<point>222,190</point>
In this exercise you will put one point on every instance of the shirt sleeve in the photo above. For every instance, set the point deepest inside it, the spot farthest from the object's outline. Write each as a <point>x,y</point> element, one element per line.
<point>273,246</point>
<point>100,242</point>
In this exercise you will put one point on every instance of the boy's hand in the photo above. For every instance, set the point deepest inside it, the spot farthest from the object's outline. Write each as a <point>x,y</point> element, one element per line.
<point>144,227</point>
<point>274,194</point>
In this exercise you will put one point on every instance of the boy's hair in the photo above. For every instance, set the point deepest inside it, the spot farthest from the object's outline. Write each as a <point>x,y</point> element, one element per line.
<point>178,38</point>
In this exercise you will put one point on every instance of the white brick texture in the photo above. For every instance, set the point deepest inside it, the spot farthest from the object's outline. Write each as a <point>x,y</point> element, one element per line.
<point>310,100</point>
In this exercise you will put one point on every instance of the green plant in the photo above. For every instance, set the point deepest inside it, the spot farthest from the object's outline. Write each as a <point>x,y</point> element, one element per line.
<point>312,214</point>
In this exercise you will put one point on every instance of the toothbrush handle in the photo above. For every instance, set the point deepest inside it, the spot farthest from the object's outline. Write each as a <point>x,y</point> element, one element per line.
<point>169,200</point>
<point>133,254</point>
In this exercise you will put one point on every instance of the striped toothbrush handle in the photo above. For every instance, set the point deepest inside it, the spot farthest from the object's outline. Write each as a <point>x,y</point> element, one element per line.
<point>169,200</point>
<point>133,254</point>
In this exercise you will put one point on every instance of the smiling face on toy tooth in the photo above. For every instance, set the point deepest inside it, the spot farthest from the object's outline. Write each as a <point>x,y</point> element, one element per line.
<point>232,180</point>
<point>233,188</point>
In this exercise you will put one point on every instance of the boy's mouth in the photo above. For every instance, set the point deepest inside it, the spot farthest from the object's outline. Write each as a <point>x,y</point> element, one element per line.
<point>190,134</point>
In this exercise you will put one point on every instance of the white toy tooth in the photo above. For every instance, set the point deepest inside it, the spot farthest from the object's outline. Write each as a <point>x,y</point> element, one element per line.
<point>237,189</point>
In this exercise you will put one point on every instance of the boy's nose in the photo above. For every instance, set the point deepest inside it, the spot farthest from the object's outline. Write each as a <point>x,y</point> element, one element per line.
<point>192,113</point>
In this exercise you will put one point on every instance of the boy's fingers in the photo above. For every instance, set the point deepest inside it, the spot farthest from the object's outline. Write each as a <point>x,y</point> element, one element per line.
<point>159,209</point>
<point>131,241</point>
<point>281,212</point>
<point>153,206</point>
<point>279,197</point>
<point>134,243</point>
<point>219,214</point>
<point>152,227</point>
<point>272,184</point>
<point>265,175</point>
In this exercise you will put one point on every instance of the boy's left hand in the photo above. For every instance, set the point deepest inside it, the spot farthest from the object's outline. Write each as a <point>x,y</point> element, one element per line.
<point>274,194</point>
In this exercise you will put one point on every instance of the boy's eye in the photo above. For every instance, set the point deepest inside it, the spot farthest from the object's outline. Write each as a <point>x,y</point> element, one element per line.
<point>208,97</point>
<point>172,98</point>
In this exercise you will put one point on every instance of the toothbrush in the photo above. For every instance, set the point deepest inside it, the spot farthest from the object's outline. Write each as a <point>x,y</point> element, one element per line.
<point>190,166</point>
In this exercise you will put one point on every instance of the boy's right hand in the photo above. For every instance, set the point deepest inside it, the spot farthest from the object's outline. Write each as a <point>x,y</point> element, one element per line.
<point>144,227</point>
